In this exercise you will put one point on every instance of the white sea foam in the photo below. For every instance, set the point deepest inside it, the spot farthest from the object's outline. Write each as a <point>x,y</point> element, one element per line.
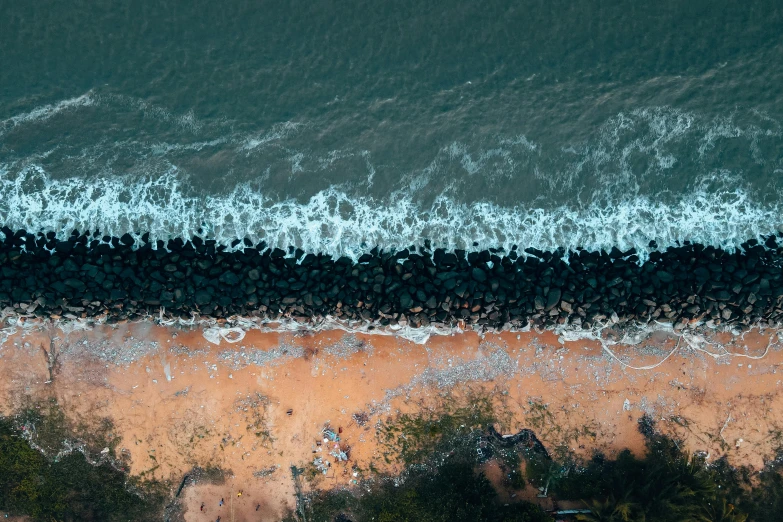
<point>85,194</point>
<point>45,112</point>
<point>336,223</point>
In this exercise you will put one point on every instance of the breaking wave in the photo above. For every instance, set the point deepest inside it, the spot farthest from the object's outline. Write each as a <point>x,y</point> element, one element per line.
<point>337,223</point>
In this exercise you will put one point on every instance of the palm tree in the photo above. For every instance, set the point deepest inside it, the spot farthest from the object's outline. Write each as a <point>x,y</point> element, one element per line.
<point>612,510</point>
<point>716,510</point>
<point>674,489</point>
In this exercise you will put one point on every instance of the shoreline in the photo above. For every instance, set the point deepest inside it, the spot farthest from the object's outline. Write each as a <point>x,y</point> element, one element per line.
<point>178,402</point>
<point>115,279</point>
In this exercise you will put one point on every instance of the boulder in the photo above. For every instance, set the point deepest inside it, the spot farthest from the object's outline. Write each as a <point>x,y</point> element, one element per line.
<point>552,298</point>
<point>479,275</point>
<point>229,278</point>
<point>203,297</point>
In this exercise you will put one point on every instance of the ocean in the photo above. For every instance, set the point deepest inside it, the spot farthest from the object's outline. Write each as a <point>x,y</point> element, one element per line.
<point>340,126</point>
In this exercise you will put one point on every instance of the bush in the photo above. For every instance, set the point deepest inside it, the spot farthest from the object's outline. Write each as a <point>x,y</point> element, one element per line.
<point>70,489</point>
<point>453,493</point>
<point>666,485</point>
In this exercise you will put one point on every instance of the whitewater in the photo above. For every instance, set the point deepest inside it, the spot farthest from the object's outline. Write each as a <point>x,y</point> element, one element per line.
<point>339,224</point>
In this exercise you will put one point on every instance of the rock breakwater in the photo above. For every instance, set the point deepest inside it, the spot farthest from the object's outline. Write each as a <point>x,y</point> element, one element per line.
<point>99,277</point>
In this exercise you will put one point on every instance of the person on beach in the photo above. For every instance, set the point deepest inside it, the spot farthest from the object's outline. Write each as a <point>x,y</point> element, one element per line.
<point>258,506</point>
<point>239,493</point>
<point>221,502</point>
<point>202,506</point>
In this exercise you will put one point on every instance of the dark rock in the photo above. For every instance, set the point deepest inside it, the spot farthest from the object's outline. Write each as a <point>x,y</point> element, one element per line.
<point>683,282</point>
<point>449,259</point>
<point>479,275</point>
<point>722,295</point>
<point>229,278</point>
<point>203,297</point>
<point>127,240</point>
<point>552,298</point>
<point>76,284</point>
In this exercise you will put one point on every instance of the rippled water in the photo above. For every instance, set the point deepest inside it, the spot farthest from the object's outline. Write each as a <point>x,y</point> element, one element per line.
<point>342,127</point>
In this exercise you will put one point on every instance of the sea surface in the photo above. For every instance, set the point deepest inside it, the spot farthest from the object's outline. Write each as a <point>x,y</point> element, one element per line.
<point>339,126</point>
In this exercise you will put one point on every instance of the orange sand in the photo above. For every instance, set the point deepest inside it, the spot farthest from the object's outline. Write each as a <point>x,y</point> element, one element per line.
<point>187,403</point>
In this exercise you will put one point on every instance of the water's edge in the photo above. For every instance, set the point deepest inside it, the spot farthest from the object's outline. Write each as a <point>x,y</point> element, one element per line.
<point>113,279</point>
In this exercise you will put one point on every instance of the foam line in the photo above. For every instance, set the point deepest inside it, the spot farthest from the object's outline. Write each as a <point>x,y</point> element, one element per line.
<point>45,112</point>
<point>336,223</point>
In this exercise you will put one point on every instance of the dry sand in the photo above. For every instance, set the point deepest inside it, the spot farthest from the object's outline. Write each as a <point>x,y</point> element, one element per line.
<point>179,402</point>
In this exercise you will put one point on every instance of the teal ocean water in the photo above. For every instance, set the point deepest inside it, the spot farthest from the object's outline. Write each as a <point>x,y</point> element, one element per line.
<point>339,126</point>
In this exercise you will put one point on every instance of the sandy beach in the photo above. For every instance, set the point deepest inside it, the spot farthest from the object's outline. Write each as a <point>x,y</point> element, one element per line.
<point>254,408</point>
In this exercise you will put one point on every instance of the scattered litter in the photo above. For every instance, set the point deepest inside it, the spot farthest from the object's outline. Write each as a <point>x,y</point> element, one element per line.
<point>626,405</point>
<point>339,454</point>
<point>361,418</point>
<point>238,359</point>
<point>321,465</point>
<point>330,436</point>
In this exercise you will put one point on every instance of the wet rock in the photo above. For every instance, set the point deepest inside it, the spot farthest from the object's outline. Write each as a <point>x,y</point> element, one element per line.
<point>439,287</point>
<point>552,299</point>
<point>722,295</point>
<point>203,297</point>
<point>76,284</point>
<point>229,278</point>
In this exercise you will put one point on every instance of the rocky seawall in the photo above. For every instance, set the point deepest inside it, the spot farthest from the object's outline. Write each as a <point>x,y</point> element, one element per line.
<point>100,277</point>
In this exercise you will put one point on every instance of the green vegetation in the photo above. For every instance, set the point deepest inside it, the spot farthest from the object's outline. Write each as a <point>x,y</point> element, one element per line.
<point>664,486</point>
<point>454,492</point>
<point>66,488</point>
<point>452,427</point>
<point>442,448</point>
<point>667,485</point>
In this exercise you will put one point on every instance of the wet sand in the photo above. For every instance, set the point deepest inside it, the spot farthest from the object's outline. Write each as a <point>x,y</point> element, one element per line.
<point>256,407</point>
